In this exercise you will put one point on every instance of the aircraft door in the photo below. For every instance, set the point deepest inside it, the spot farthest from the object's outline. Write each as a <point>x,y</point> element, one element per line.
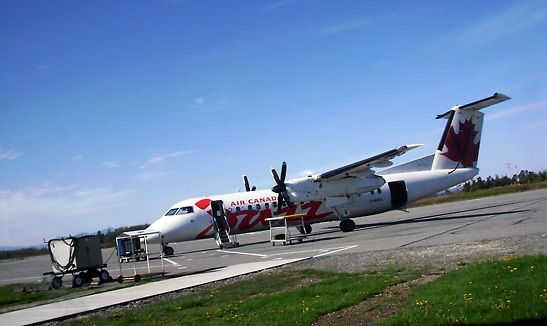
<point>399,194</point>
<point>219,215</point>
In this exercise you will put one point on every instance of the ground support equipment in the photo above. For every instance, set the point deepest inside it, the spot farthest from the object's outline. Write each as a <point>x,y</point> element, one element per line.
<point>79,256</point>
<point>279,229</point>
<point>134,246</point>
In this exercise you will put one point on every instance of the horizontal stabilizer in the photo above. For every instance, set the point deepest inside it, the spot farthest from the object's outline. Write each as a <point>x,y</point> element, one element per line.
<point>477,105</point>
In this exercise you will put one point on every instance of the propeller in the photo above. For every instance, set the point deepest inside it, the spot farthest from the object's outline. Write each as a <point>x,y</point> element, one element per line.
<point>246,182</point>
<point>281,187</point>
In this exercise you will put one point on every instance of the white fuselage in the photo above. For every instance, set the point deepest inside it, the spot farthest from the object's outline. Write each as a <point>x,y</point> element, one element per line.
<point>247,211</point>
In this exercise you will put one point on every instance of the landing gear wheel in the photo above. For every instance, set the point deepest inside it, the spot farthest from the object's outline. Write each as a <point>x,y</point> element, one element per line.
<point>168,251</point>
<point>56,282</point>
<point>77,281</point>
<point>347,225</point>
<point>104,276</point>
<point>137,278</point>
<point>305,230</point>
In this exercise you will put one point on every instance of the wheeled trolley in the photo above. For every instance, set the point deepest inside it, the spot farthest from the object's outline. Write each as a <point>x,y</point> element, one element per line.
<point>134,246</point>
<point>279,229</point>
<point>79,256</point>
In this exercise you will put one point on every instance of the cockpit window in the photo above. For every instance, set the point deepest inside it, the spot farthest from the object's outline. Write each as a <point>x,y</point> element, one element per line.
<point>185,210</point>
<point>172,211</point>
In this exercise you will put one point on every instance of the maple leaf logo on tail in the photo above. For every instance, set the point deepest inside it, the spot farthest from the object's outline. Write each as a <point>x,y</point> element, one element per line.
<point>461,147</point>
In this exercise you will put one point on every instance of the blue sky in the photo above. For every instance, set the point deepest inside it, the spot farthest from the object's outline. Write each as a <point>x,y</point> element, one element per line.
<point>112,111</point>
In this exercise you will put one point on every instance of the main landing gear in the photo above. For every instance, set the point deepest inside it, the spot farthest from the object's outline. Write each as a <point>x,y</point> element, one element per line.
<point>168,251</point>
<point>347,225</point>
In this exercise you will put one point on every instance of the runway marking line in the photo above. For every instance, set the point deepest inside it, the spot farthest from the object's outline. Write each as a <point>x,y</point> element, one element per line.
<point>171,262</point>
<point>243,253</point>
<point>332,252</point>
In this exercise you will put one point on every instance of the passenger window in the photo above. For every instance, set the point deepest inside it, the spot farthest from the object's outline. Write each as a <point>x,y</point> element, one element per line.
<point>185,210</point>
<point>258,206</point>
<point>379,190</point>
<point>372,192</point>
<point>274,204</point>
<point>250,207</point>
<point>266,205</point>
<point>238,209</point>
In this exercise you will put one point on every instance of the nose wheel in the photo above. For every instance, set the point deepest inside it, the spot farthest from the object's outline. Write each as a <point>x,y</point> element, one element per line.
<point>168,251</point>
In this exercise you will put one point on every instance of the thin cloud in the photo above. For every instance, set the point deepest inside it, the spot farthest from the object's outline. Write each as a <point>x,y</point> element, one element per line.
<point>516,110</point>
<point>68,209</point>
<point>111,164</point>
<point>347,26</point>
<point>158,160</point>
<point>278,4</point>
<point>537,125</point>
<point>10,154</point>
<point>77,157</point>
<point>156,166</point>
<point>514,20</point>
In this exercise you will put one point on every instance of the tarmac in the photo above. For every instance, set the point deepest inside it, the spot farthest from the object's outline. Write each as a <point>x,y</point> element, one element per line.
<point>74,307</point>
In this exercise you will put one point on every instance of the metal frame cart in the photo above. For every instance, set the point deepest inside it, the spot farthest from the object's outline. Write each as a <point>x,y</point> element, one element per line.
<point>284,222</point>
<point>79,256</point>
<point>134,246</point>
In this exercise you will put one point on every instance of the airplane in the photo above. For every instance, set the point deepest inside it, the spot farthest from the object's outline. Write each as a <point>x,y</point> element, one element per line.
<point>351,191</point>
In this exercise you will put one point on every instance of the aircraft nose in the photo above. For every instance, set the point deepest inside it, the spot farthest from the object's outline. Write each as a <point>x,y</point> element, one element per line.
<point>153,237</point>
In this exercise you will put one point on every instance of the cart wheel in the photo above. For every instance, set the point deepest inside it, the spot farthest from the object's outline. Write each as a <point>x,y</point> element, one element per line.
<point>77,281</point>
<point>57,282</point>
<point>120,279</point>
<point>103,275</point>
<point>137,278</point>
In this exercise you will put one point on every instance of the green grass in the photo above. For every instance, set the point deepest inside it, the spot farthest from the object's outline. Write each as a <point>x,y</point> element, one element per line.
<point>483,293</point>
<point>31,295</point>
<point>287,298</point>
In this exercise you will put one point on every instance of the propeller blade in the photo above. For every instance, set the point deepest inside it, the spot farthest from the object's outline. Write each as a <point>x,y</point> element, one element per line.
<point>283,172</point>
<point>279,203</point>
<point>286,198</point>
<point>281,187</point>
<point>246,182</point>
<point>275,176</point>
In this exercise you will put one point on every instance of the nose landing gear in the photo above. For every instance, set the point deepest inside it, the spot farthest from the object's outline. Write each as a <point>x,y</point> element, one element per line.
<point>168,251</point>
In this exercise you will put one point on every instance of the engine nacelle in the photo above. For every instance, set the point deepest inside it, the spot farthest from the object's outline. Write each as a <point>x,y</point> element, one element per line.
<point>310,188</point>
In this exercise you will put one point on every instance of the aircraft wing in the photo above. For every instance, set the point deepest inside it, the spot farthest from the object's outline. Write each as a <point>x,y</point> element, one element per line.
<point>363,167</point>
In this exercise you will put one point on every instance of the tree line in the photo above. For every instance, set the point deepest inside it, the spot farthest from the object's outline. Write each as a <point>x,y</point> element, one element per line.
<point>525,177</point>
<point>107,240</point>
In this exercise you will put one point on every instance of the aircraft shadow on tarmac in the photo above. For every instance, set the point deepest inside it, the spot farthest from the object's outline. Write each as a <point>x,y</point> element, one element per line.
<point>455,215</point>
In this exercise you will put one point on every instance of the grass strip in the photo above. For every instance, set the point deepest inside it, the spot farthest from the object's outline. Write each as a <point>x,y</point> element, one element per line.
<point>490,292</point>
<point>287,298</point>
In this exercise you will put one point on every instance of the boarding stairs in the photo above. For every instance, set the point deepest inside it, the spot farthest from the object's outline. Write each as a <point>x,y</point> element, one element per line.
<point>222,234</point>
